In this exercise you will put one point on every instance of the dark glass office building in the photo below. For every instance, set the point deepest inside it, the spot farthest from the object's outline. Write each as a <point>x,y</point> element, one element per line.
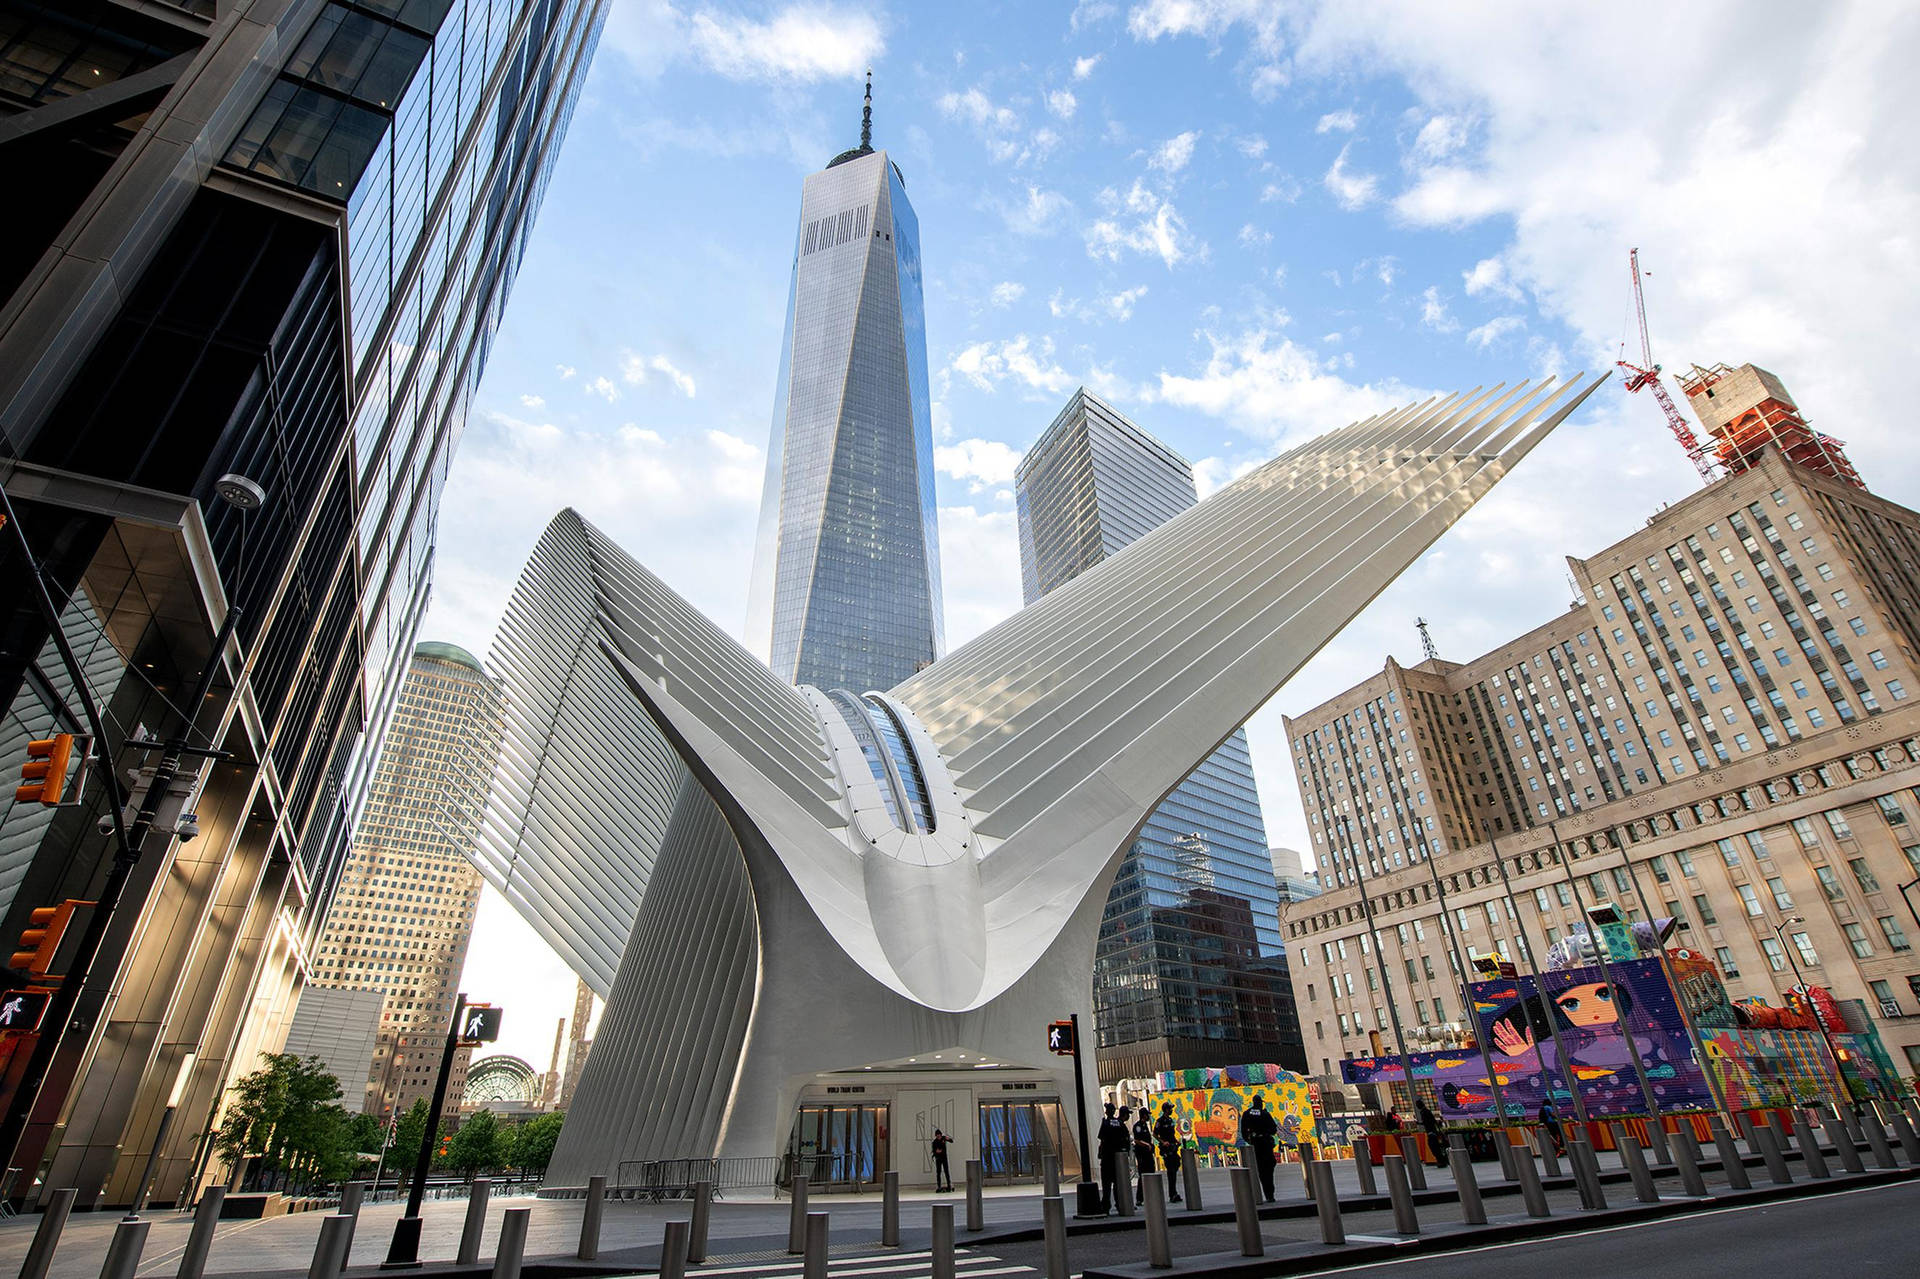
<point>1190,968</point>
<point>271,238</point>
<point>846,573</point>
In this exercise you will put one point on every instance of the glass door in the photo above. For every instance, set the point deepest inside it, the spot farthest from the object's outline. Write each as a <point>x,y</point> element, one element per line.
<point>837,1147</point>
<point>1017,1136</point>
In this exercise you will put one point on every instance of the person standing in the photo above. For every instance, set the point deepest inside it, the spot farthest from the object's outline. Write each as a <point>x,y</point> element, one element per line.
<point>942,1176</point>
<point>1260,1131</point>
<point>1114,1139</point>
<point>1166,1135</point>
<point>1142,1155</point>
<point>1436,1140</point>
<point>1550,1125</point>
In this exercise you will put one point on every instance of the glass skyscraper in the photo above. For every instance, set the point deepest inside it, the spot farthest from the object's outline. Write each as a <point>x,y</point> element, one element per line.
<point>1190,968</point>
<point>264,237</point>
<point>846,574</point>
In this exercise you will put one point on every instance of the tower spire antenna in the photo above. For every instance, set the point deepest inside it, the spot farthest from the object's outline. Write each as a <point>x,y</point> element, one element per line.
<point>866,116</point>
<point>1426,640</point>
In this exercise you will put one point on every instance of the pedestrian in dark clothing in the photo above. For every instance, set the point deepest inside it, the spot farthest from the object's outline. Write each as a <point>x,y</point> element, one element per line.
<point>942,1177</point>
<point>1436,1140</point>
<point>1166,1134</point>
<point>1550,1125</point>
<point>1260,1131</point>
<point>1142,1155</point>
<point>1114,1140</point>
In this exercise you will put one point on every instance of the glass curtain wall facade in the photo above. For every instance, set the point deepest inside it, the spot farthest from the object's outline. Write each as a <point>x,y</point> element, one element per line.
<point>293,272</point>
<point>846,578</point>
<point>1190,969</point>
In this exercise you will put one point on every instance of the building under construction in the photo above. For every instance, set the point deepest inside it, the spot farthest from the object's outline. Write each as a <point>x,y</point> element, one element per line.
<point>1746,409</point>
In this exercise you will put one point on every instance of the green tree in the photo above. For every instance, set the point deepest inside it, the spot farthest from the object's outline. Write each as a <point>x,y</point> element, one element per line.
<point>287,1115</point>
<point>534,1140</point>
<point>474,1145</point>
<point>407,1135</point>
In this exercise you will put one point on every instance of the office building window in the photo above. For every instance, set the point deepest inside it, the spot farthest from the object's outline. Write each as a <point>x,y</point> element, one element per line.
<point>1857,940</point>
<point>1896,936</point>
<point>1728,968</point>
<point>1775,953</point>
<point>1705,909</point>
<point>1863,874</point>
<point>1750,899</point>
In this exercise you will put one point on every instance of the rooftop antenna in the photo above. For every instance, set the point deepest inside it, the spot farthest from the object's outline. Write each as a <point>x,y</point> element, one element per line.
<point>866,116</point>
<point>1426,640</point>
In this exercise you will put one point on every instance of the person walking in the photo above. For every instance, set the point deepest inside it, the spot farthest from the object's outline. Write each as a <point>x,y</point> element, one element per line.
<point>1114,1140</point>
<point>1142,1155</point>
<point>1550,1125</point>
<point>1260,1131</point>
<point>1436,1140</point>
<point>1166,1135</point>
<point>942,1176</point>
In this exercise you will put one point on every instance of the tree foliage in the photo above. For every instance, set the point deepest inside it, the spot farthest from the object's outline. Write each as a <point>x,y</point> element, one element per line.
<point>287,1117</point>
<point>533,1142</point>
<point>475,1146</point>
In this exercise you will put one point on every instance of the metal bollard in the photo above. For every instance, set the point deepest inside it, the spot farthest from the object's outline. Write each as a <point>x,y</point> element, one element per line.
<point>1686,1155</point>
<point>513,1243</point>
<point>1816,1163</point>
<point>942,1244</point>
<point>1877,1141</point>
<point>352,1195</point>
<point>976,1204</point>
<point>797,1218</point>
<point>673,1251</point>
<point>1549,1161</point>
<point>1770,1151</point>
<point>1053,1226</point>
<point>815,1265</point>
<point>206,1219</point>
<point>1531,1192</point>
<point>1503,1148</point>
<point>1050,1176</point>
<point>1246,1215</point>
<point>46,1236</point>
<point>1123,1192</point>
<point>1326,1202</point>
<point>1363,1167</point>
<point>1836,1130</point>
<point>476,1222</point>
<point>1657,1142</point>
<point>590,1220</point>
<point>123,1254</point>
<point>1416,1166</point>
<point>1472,1211</point>
<point>1190,1174</point>
<point>703,1214</point>
<point>1635,1160</point>
<point>1586,1174</point>
<point>1909,1141</point>
<point>330,1252</point>
<point>1154,1198</point>
<point>1748,1133</point>
<point>1732,1166</point>
<point>890,1211</point>
<point>1405,1220</point>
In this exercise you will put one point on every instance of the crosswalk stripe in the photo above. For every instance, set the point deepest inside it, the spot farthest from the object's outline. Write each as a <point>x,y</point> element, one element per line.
<point>895,1263</point>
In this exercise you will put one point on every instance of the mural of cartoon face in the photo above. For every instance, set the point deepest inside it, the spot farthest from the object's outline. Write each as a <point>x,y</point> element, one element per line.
<point>1591,1004</point>
<point>1223,1118</point>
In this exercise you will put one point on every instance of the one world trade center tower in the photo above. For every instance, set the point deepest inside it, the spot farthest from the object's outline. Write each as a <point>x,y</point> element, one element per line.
<point>846,574</point>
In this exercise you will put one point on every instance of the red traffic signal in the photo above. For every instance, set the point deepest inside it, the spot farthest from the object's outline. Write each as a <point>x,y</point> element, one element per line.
<point>44,776</point>
<point>1060,1039</point>
<point>41,937</point>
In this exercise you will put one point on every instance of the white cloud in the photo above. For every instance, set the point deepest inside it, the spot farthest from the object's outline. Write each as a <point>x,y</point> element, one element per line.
<point>1254,237</point>
<point>1017,359</point>
<point>1209,19</point>
<point>1282,190</point>
<point>565,371</point>
<point>1037,214</point>
<point>1271,387</point>
<point>1211,474</point>
<point>1433,311</point>
<point>1154,228</point>
<point>1439,138</point>
<point>1337,122</point>
<point>534,402</point>
<point>1500,326</point>
<point>1172,155</point>
<point>1008,292</point>
<point>975,107</point>
<point>1253,146</point>
<point>800,44</point>
<point>1449,196</point>
<point>979,573</point>
<point>1062,103</point>
<point>980,464</point>
<point>1083,67</point>
<point>1350,190</point>
<point>601,387</point>
<point>1489,275</point>
<point>1120,305</point>
<point>635,369</point>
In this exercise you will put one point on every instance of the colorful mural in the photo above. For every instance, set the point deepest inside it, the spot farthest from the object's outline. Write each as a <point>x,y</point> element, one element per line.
<point>1761,1068</point>
<point>1207,1105</point>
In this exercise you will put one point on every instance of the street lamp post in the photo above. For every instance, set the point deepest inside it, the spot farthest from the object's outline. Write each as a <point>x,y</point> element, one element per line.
<point>1380,964</point>
<point>145,1186</point>
<point>1844,1094</point>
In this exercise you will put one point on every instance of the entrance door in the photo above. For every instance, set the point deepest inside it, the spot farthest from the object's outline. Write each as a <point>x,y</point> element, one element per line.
<point>837,1146</point>
<point>1017,1136</point>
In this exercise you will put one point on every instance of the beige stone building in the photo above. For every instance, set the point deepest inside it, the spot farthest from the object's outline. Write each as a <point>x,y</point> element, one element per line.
<point>1721,730</point>
<point>403,914</point>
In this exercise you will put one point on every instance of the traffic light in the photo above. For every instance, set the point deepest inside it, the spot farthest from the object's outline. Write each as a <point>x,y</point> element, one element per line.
<point>1060,1039</point>
<point>41,938</point>
<point>44,776</point>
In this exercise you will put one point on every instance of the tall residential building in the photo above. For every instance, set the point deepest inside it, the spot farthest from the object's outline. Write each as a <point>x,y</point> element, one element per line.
<point>1726,712</point>
<point>271,238</point>
<point>404,911</point>
<point>846,574</point>
<point>579,1042</point>
<point>1190,969</point>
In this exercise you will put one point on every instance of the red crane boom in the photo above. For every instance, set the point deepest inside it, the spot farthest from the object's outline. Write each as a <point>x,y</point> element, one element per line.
<point>1646,376</point>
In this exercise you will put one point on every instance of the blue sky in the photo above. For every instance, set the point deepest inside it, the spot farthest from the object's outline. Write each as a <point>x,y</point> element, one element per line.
<point>1243,223</point>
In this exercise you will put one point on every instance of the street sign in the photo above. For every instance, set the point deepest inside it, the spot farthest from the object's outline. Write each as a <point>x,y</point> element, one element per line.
<point>1060,1038</point>
<point>21,1011</point>
<point>479,1024</point>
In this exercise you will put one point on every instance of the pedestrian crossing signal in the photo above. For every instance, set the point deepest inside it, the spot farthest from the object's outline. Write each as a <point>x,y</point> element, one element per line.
<point>22,1011</point>
<point>479,1024</point>
<point>1060,1038</point>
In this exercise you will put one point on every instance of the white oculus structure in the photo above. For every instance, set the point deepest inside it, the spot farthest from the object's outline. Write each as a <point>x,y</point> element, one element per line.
<point>825,898</point>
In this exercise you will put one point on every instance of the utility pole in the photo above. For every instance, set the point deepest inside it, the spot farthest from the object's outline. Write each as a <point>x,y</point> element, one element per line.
<point>404,1253</point>
<point>1087,1194</point>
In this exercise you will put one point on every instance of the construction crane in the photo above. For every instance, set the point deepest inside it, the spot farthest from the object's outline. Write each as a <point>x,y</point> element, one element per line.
<point>1646,376</point>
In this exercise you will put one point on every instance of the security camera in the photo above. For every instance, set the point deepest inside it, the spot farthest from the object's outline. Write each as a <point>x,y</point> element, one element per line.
<point>105,824</point>
<point>187,827</point>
